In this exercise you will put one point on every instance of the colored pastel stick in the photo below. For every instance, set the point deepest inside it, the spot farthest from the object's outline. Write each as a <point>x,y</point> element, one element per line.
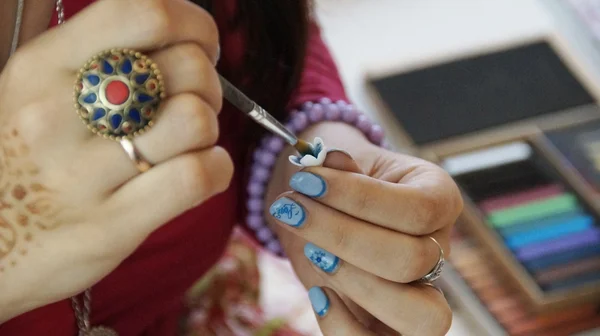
<point>584,238</point>
<point>573,282</point>
<point>571,270</point>
<point>538,209</point>
<point>565,257</point>
<point>538,224</point>
<point>529,195</point>
<point>573,225</point>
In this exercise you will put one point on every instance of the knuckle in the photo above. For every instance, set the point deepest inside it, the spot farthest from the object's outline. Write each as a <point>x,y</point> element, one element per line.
<point>199,121</point>
<point>34,117</point>
<point>427,213</point>
<point>195,177</point>
<point>414,264</point>
<point>340,238</point>
<point>206,175</point>
<point>156,23</point>
<point>365,199</point>
<point>225,165</point>
<point>193,56</point>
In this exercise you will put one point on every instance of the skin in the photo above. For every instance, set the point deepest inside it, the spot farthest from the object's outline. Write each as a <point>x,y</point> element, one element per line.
<point>56,214</point>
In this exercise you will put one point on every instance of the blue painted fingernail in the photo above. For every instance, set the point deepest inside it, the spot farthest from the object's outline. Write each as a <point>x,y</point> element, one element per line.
<point>288,211</point>
<point>308,184</point>
<point>319,301</point>
<point>321,258</point>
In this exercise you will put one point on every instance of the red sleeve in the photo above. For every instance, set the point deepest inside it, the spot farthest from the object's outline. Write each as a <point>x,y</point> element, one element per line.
<point>320,77</point>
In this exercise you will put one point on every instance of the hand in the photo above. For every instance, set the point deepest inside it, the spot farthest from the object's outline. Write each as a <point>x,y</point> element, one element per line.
<point>369,241</point>
<point>72,204</point>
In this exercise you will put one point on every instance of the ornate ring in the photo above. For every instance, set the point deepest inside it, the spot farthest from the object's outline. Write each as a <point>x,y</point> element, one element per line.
<point>117,93</point>
<point>140,163</point>
<point>436,272</point>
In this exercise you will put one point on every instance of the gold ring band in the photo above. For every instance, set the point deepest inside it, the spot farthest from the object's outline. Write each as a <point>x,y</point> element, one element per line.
<point>140,163</point>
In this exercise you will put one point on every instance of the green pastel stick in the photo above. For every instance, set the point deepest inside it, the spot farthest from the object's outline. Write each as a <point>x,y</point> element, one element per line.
<point>537,209</point>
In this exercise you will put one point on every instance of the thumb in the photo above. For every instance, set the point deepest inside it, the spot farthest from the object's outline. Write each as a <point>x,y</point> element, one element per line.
<point>341,160</point>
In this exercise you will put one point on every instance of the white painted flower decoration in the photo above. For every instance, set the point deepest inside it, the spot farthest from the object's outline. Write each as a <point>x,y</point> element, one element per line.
<point>316,158</point>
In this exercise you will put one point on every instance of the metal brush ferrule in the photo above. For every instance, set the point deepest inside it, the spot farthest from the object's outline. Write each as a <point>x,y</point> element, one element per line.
<point>264,118</point>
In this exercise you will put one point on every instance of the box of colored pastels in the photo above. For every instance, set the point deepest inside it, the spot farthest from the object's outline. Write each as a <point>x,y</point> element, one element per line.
<point>490,120</point>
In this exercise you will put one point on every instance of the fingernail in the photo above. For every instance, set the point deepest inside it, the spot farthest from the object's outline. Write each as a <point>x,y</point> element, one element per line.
<point>319,301</point>
<point>288,211</point>
<point>338,150</point>
<point>321,258</point>
<point>308,184</point>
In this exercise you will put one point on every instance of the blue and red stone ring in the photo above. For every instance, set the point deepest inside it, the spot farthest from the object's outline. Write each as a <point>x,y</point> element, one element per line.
<point>117,93</point>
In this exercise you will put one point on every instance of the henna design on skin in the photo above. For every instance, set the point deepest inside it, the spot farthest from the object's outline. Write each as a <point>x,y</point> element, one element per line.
<point>26,206</point>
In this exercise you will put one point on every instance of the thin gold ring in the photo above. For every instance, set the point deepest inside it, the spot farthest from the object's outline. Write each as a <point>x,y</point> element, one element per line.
<point>141,164</point>
<point>436,271</point>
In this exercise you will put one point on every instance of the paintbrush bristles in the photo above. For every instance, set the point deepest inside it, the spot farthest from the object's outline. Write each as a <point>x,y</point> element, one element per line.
<point>304,147</point>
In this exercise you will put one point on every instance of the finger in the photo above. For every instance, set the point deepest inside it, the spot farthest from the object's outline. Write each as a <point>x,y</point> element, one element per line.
<point>186,68</point>
<point>341,160</point>
<point>332,314</point>
<point>410,309</point>
<point>135,24</point>
<point>185,123</point>
<point>401,207</point>
<point>162,193</point>
<point>391,255</point>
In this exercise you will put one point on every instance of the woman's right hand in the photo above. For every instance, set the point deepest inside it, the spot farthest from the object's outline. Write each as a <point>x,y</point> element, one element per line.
<point>72,204</point>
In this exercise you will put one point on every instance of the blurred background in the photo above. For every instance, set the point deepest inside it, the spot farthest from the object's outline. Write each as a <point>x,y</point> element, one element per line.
<point>526,259</point>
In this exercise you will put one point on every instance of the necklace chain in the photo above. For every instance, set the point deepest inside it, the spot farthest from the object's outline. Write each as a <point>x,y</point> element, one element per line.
<point>82,310</point>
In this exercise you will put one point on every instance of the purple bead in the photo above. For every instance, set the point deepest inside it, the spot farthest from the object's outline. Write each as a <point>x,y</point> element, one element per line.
<point>325,101</point>
<point>307,105</point>
<point>341,103</point>
<point>363,123</point>
<point>290,126</point>
<point>267,159</point>
<point>255,205</point>
<point>349,114</point>
<point>274,246</point>
<point>376,134</point>
<point>255,221</point>
<point>332,112</point>
<point>275,144</point>
<point>256,189</point>
<point>300,122</point>
<point>260,174</point>
<point>316,114</point>
<point>256,155</point>
<point>264,234</point>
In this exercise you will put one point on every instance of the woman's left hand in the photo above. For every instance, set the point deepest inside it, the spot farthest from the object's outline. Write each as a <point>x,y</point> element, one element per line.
<point>363,231</point>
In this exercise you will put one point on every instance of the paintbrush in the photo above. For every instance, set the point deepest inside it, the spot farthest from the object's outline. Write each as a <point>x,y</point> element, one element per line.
<point>238,99</point>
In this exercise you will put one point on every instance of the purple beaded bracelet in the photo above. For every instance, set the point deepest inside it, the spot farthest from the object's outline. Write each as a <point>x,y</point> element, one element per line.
<point>271,146</point>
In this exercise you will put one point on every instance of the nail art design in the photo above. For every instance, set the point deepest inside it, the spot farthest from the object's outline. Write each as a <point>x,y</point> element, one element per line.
<point>322,259</point>
<point>319,301</point>
<point>288,211</point>
<point>311,160</point>
<point>308,184</point>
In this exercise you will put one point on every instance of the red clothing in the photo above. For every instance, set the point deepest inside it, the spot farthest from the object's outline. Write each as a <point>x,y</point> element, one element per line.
<point>143,296</point>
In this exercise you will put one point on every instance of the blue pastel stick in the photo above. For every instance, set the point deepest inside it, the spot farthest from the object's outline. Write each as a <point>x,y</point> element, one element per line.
<point>562,258</point>
<point>572,225</point>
